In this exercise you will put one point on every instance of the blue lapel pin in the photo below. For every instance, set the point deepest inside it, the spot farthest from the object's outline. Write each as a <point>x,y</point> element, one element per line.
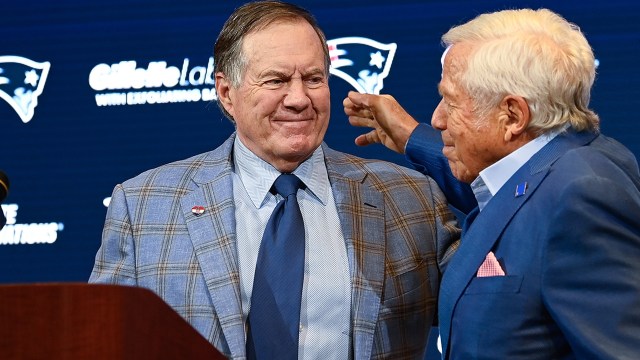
<point>521,189</point>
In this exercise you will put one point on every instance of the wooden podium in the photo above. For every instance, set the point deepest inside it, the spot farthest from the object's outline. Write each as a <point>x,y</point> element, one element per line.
<point>88,321</point>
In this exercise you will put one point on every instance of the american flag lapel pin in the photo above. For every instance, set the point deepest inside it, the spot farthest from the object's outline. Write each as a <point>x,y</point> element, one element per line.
<point>521,189</point>
<point>197,210</point>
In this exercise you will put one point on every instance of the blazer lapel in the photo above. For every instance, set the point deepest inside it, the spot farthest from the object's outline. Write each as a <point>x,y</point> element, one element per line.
<point>361,213</point>
<point>477,241</point>
<point>480,236</point>
<point>213,233</point>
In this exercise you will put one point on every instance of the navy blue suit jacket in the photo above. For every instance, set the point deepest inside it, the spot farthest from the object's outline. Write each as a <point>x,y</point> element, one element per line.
<point>570,248</point>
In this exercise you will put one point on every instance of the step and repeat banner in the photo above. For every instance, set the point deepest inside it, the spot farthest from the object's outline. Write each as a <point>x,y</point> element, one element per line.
<point>95,92</point>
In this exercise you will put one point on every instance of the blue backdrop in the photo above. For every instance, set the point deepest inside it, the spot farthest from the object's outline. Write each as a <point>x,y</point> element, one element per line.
<point>95,92</point>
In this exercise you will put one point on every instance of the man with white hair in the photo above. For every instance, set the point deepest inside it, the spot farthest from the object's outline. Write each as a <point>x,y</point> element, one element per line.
<point>548,263</point>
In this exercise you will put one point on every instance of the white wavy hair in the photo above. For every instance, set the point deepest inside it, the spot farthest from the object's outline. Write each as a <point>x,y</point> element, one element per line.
<point>535,54</point>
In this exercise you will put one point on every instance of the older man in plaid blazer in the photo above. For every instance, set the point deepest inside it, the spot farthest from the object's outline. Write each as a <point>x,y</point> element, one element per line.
<point>376,234</point>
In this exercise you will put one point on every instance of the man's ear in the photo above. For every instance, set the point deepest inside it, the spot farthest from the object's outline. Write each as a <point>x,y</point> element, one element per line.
<point>223,90</point>
<point>514,116</point>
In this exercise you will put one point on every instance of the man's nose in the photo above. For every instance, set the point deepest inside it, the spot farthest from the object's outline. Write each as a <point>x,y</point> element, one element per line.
<point>439,117</point>
<point>297,95</point>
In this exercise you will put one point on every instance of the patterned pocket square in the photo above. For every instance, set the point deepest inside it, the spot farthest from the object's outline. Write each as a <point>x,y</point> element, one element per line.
<point>490,267</point>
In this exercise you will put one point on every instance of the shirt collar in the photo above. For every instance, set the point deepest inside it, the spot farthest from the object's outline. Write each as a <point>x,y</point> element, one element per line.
<point>496,175</point>
<point>257,176</point>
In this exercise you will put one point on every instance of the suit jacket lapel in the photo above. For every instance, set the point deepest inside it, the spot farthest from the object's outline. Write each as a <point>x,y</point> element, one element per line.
<point>361,213</point>
<point>213,236</point>
<point>481,235</point>
<point>477,241</point>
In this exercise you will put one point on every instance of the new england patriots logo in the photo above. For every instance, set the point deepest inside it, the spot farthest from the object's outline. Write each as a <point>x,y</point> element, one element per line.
<point>362,62</point>
<point>21,82</point>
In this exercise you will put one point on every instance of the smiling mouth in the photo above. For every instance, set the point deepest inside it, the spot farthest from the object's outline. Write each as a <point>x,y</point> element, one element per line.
<point>293,126</point>
<point>447,150</point>
<point>293,119</point>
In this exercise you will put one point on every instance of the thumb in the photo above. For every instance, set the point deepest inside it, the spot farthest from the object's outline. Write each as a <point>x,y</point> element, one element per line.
<point>359,99</point>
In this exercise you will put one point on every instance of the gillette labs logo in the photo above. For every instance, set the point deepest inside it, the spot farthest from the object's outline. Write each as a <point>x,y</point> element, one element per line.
<point>362,62</point>
<point>154,85</point>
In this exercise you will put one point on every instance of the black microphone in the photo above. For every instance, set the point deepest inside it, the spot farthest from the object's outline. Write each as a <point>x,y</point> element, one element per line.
<point>4,185</point>
<point>4,191</point>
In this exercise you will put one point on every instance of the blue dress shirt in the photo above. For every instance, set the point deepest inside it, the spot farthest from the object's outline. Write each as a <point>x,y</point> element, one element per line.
<point>326,294</point>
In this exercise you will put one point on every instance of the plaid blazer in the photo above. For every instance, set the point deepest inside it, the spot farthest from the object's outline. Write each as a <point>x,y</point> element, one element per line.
<point>396,224</point>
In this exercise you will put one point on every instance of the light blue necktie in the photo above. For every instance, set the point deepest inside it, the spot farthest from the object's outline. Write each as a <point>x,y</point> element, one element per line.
<point>274,316</point>
<point>481,192</point>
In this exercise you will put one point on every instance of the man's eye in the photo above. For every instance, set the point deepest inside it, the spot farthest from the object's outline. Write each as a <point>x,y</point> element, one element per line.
<point>274,82</point>
<point>315,80</point>
<point>451,107</point>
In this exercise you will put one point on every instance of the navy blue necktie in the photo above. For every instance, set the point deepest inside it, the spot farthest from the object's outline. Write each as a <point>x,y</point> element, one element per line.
<point>274,316</point>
